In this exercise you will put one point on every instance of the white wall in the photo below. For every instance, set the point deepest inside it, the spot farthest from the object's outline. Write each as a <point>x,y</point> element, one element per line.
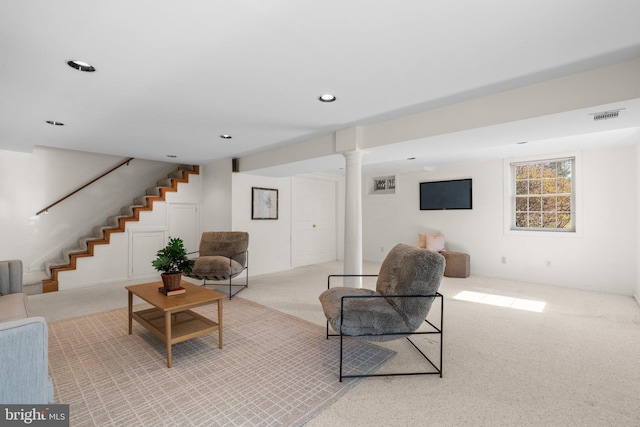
<point>216,196</point>
<point>602,257</point>
<point>269,240</point>
<point>31,181</point>
<point>637,292</point>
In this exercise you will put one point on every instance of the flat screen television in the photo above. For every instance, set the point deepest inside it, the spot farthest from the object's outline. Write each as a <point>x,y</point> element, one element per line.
<point>440,195</point>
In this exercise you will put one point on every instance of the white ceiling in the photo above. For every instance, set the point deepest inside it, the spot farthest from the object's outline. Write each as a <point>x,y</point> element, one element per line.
<point>174,75</point>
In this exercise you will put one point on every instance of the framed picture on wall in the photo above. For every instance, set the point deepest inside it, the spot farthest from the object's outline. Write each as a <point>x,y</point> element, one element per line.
<point>383,185</point>
<point>264,203</point>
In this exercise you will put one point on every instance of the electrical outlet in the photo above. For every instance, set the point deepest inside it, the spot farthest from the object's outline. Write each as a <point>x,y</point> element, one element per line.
<point>381,248</point>
<point>547,263</point>
<point>503,259</point>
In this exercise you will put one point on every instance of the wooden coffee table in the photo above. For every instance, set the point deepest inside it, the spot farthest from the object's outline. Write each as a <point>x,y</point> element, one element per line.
<point>171,318</point>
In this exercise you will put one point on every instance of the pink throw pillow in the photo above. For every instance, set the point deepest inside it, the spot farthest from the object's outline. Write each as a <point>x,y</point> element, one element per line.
<point>435,242</point>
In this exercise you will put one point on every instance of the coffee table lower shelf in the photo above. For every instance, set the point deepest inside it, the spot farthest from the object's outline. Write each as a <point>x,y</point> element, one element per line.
<point>184,324</point>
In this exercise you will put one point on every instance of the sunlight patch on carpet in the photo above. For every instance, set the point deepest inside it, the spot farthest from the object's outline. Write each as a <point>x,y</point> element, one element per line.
<point>501,301</point>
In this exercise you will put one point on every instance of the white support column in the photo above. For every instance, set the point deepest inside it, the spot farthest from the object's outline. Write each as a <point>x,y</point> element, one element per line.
<point>353,218</point>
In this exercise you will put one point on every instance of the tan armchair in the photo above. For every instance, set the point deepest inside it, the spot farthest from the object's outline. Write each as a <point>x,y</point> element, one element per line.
<point>223,255</point>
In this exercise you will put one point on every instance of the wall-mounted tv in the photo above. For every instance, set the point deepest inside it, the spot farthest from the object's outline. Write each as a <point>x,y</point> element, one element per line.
<point>452,194</point>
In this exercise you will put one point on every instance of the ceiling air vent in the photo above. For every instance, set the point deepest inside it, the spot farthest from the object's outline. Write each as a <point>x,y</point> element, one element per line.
<point>605,115</point>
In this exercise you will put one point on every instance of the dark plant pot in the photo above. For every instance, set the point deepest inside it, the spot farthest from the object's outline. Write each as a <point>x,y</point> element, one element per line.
<point>171,281</point>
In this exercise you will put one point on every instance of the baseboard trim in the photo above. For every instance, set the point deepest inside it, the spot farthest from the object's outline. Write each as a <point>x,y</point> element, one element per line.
<point>124,281</point>
<point>637,298</point>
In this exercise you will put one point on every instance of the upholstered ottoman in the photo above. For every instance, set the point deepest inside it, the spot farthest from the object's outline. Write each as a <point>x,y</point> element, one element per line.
<point>458,264</point>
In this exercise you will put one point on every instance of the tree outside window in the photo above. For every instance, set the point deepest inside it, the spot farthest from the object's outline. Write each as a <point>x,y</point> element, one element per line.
<point>544,195</point>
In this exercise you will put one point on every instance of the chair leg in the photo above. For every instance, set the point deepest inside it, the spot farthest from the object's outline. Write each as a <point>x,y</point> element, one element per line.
<point>246,282</point>
<point>231,285</point>
<point>242,287</point>
<point>341,347</point>
<point>434,369</point>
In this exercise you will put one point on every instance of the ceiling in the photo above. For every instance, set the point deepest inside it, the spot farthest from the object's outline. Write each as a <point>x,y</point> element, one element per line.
<point>172,76</point>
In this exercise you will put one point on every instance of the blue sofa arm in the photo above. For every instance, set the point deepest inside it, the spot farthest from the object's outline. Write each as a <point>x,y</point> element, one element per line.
<point>24,362</point>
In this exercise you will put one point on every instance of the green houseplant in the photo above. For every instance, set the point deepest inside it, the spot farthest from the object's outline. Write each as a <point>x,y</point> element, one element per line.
<point>172,261</point>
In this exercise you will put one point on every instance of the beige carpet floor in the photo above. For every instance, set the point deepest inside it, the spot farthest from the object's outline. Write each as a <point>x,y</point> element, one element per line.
<point>574,363</point>
<point>274,370</point>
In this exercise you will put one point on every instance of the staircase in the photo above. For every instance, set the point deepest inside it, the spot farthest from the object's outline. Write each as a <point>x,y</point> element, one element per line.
<point>114,224</point>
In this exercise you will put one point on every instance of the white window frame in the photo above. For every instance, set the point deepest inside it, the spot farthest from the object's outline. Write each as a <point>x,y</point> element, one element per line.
<point>509,196</point>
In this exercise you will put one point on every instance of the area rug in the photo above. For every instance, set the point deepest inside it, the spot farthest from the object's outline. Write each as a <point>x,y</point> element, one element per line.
<point>274,370</point>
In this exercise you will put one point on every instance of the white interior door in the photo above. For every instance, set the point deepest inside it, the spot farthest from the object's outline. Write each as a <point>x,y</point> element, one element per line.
<point>183,223</point>
<point>314,221</point>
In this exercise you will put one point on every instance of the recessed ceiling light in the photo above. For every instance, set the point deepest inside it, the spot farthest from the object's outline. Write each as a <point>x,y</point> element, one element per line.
<point>53,122</point>
<point>171,156</point>
<point>225,136</point>
<point>327,97</point>
<point>82,66</point>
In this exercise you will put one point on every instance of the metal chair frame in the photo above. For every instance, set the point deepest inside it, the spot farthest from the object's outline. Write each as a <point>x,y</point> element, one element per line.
<point>233,285</point>
<point>437,329</point>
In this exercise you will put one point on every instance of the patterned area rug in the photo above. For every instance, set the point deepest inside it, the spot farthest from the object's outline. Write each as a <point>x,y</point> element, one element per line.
<point>274,369</point>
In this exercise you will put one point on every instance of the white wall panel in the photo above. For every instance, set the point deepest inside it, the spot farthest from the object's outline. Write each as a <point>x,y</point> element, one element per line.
<point>183,224</point>
<point>143,248</point>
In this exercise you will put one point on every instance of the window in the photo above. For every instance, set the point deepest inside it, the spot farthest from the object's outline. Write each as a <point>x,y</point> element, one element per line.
<point>544,195</point>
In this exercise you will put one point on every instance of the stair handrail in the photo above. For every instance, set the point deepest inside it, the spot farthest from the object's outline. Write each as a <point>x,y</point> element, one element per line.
<point>126,162</point>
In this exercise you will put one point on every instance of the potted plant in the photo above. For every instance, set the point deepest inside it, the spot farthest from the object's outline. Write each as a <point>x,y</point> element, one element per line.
<point>172,261</point>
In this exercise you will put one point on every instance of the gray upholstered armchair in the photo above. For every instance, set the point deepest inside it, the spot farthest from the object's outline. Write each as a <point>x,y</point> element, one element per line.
<point>223,255</point>
<point>407,286</point>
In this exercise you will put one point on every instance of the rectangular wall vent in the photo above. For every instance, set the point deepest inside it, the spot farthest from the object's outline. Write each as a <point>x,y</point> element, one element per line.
<point>605,115</point>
